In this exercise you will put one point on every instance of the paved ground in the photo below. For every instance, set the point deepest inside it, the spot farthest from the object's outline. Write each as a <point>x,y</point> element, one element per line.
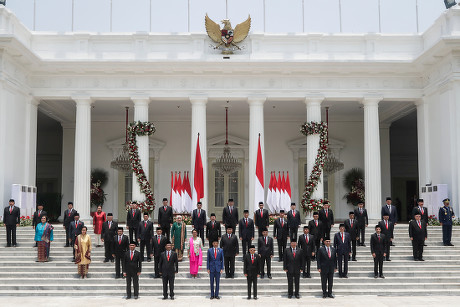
<point>374,301</point>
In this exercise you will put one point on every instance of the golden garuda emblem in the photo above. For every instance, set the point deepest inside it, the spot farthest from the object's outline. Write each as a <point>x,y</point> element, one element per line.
<point>227,38</point>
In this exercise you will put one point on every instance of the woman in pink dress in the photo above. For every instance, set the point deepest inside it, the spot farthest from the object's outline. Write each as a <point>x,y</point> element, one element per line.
<point>195,253</point>
<point>98,219</point>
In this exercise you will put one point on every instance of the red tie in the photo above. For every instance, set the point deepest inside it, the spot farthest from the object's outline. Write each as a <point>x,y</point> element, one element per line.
<point>378,237</point>
<point>316,222</point>
<point>76,224</point>
<point>165,208</point>
<point>246,222</point>
<point>70,212</point>
<point>215,253</point>
<point>386,224</point>
<point>293,252</point>
<point>351,223</point>
<point>261,213</point>
<point>199,213</point>
<point>159,239</point>
<point>131,255</point>
<point>11,209</point>
<point>419,225</point>
<point>326,213</point>
<point>231,210</point>
<point>145,224</point>
<point>293,213</point>
<point>342,238</point>
<point>328,252</point>
<point>212,224</point>
<point>421,209</point>
<point>282,222</point>
<point>168,256</point>
<point>306,238</point>
<point>265,240</point>
<point>252,258</point>
<point>110,224</point>
<point>133,213</point>
<point>119,240</point>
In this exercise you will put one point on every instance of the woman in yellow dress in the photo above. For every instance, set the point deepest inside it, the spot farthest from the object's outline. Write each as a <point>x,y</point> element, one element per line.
<point>83,252</point>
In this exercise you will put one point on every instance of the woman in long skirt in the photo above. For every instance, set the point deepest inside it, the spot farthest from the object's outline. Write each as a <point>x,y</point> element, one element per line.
<point>83,252</point>
<point>98,219</point>
<point>195,253</point>
<point>43,237</point>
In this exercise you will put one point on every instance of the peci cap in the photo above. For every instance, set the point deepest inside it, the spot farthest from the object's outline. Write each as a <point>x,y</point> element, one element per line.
<point>158,228</point>
<point>165,199</point>
<point>420,200</point>
<point>264,229</point>
<point>281,211</point>
<point>245,211</point>
<point>252,246</point>
<point>261,202</point>
<point>120,228</point>
<point>386,214</point>
<point>109,214</point>
<point>199,203</point>
<point>230,199</point>
<point>315,213</point>
<point>292,204</point>
<point>350,213</point>
<point>305,227</point>
<point>388,198</point>
<point>341,225</point>
<point>213,214</point>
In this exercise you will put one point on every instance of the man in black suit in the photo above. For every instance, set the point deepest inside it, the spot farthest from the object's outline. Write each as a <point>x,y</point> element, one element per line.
<point>293,217</point>
<point>38,217</point>
<point>387,228</point>
<point>144,236</point>
<point>68,218</point>
<point>363,222</point>
<point>326,215</point>
<point>230,215</point>
<point>199,220</point>
<point>423,211</point>
<point>307,244</point>
<point>165,218</point>
<point>378,248</point>
<point>75,228</point>
<point>11,219</point>
<point>213,231</point>
<point>229,243</point>
<point>246,231</point>
<point>159,246</point>
<point>265,248</point>
<point>133,218</point>
<point>292,265</point>
<point>261,218</point>
<point>351,226</point>
<point>132,269</point>
<point>120,245</point>
<point>109,229</point>
<point>342,245</point>
<point>326,261</point>
<point>316,230</point>
<point>418,235</point>
<point>169,267</point>
<point>281,233</point>
<point>391,210</point>
<point>251,269</point>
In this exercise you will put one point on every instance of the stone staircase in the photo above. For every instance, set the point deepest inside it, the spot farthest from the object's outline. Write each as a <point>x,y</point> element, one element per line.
<point>438,275</point>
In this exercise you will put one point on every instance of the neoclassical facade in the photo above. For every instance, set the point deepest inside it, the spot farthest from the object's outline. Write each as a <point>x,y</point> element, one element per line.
<point>84,81</point>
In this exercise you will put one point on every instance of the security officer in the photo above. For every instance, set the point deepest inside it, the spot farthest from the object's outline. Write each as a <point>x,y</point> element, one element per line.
<point>446,214</point>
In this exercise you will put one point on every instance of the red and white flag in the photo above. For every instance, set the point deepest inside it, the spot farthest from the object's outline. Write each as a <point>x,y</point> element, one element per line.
<point>259,182</point>
<point>287,187</point>
<point>179,191</point>
<point>172,188</point>
<point>198,185</point>
<point>270,193</point>
<point>278,193</point>
<point>187,196</point>
<point>283,193</point>
<point>174,198</point>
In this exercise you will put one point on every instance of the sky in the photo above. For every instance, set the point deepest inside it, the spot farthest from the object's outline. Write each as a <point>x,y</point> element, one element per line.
<point>271,16</point>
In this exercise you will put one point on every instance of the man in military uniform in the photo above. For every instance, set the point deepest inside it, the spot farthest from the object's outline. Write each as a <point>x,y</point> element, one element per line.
<point>446,214</point>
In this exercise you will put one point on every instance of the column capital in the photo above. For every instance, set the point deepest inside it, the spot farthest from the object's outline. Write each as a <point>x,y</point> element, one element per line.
<point>34,101</point>
<point>256,100</point>
<point>420,102</point>
<point>198,100</point>
<point>82,100</point>
<point>314,100</point>
<point>368,101</point>
<point>140,100</point>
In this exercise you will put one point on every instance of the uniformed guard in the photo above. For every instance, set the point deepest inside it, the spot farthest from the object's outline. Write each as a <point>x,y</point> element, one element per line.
<point>446,214</point>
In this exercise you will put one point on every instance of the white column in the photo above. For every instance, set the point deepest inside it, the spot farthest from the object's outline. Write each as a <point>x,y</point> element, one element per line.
<point>141,113</point>
<point>68,169</point>
<point>256,127</point>
<point>372,167</point>
<point>423,141</point>
<point>4,189</point>
<point>199,126</point>
<point>314,115</point>
<point>31,142</point>
<point>82,172</point>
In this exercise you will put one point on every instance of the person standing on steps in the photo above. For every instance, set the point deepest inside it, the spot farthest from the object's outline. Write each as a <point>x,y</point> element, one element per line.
<point>169,267</point>
<point>215,266</point>
<point>261,218</point>
<point>246,231</point>
<point>281,233</point>
<point>293,217</point>
<point>446,214</point>
<point>165,218</point>
<point>251,270</point>
<point>418,235</point>
<point>120,245</point>
<point>363,222</point>
<point>327,264</point>
<point>307,244</point>
<point>351,226</point>
<point>265,249</point>
<point>11,220</point>
<point>378,251</point>
<point>133,218</point>
<point>109,230</point>
<point>68,218</point>
<point>132,269</point>
<point>387,229</point>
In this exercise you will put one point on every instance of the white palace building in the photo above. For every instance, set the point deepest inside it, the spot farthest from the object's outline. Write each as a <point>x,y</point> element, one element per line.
<point>393,100</point>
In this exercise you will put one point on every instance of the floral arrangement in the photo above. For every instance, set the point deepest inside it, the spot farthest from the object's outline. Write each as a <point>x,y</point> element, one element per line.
<point>353,180</point>
<point>97,195</point>
<point>25,221</point>
<point>271,219</point>
<point>141,129</point>
<point>307,203</point>
<point>186,218</point>
<point>433,221</point>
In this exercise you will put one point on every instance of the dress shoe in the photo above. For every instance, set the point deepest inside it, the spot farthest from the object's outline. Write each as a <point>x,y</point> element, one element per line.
<point>297,296</point>
<point>269,276</point>
<point>248,298</point>
<point>128,297</point>
<point>415,259</point>
<point>331,295</point>
<point>227,276</point>
<point>345,276</point>
<point>289,296</point>
<point>105,260</point>
<point>136,297</point>
<point>217,297</point>
<point>425,245</point>
<point>450,244</point>
<point>255,297</point>
<point>388,259</point>
<point>324,295</point>
<point>308,276</point>
<point>375,276</point>
<point>304,275</point>
<point>381,276</point>
<point>354,259</point>
<point>421,259</point>
<point>262,276</point>
<point>149,260</point>
<point>165,298</point>
<point>211,298</point>
<point>172,297</point>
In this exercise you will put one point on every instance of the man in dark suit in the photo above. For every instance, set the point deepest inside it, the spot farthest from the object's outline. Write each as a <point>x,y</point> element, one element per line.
<point>391,210</point>
<point>446,214</point>
<point>418,235</point>
<point>363,222</point>
<point>38,217</point>
<point>144,236</point>
<point>387,228</point>
<point>281,233</point>
<point>132,269</point>
<point>307,244</point>
<point>292,264</point>
<point>11,219</point>
<point>169,267</point>
<point>316,230</point>
<point>159,246</point>
<point>261,218</point>
<point>215,266</point>
<point>326,261</point>
<point>326,215</point>
<point>68,218</point>
<point>229,243</point>
<point>293,217</point>
<point>199,220</point>
<point>213,231</point>
<point>133,218</point>
<point>342,245</point>
<point>378,248</point>
<point>351,226</point>
<point>120,245</point>
<point>75,228</point>
<point>251,269</point>
<point>165,218</point>
<point>246,231</point>
<point>265,248</point>
<point>423,211</point>
<point>230,215</point>
<point>109,230</point>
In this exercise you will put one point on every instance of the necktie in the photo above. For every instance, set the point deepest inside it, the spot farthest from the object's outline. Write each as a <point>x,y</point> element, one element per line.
<point>265,240</point>
<point>168,256</point>
<point>39,213</point>
<point>212,224</point>
<point>293,252</point>
<point>386,224</point>
<point>133,212</point>
<point>119,240</point>
<point>215,253</point>
<point>342,238</point>
<point>421,210</point>
<point>328,252</point>
<point>159,238</point>
<point>110,224</point>
<point>70,211</point>
<point>199,213</point>
<point>11,209</point>
<point>282,222</point>
<point>229,236</point>
<point>293,213</point>
<point>316,222</point>
<point>145,224</point>
<point>306,239</point>
<point>132,255</point>
<point>261,213</point>
<point>326,213</point>
<point>231,210</point>
<point>164,208</point>
<point>252,258</point>
<point>361,210</point>
<point>389,208</point>
<point>76,224</point>
<point>351,223</point>
<point>246,222</point>
<point>378,236</point>
<point>419,225</point>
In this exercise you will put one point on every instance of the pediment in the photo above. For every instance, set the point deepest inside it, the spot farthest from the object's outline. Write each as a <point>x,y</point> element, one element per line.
<point>233,141</point>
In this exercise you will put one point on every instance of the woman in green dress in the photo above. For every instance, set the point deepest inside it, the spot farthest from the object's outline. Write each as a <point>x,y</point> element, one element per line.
<point>178,235</point>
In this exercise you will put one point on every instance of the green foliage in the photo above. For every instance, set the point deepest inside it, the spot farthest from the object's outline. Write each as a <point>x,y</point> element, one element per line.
<point>99,175</point>
<point>351,176</point>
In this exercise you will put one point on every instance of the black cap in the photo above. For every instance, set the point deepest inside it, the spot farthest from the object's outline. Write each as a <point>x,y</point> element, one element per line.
<point>11,200</point>
<point>230,199</point>
<point>386,214</point>
<point>326,238</point>
<point>213,214</point>
<point>158,228</point>
<point>165,199</point>
<point>230,227</point>
<point>261,202</point>
<point>168,242</point>
<point>292,204</point>
<point>264,229</point>
<point>350,213</point>
<point>146,213</point>
<point>252,246</point>
<point>109,214</point>
<point>315,213</point>
<point>417,213</point>
<point>120,228</point>
<point>69,203</point>
<point>212,242</point>
<point>199,203</point>
<point>132,243</point>
<point>341,225</point>
<point>446,200</point>
<point>245,211</point>
<point>388,198</point>
<point>305,227</point>
<point>377,226</point>
<point>420,200</point>
<point>281,211</point>
<point>76,214</point>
